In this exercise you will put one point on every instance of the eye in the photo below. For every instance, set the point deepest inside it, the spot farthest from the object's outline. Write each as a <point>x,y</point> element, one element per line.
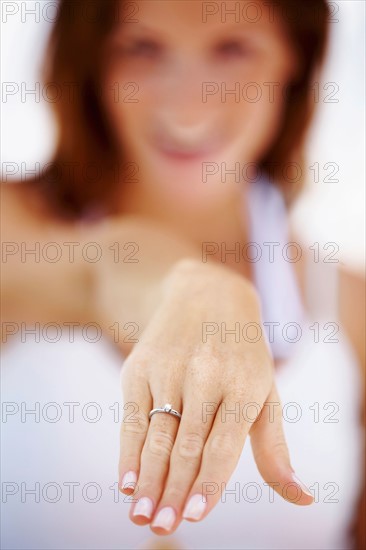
<point>233,48</point>
<point>143,48</point>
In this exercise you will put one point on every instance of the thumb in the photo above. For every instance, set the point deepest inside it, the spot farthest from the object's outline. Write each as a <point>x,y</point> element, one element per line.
<point>271,453</point>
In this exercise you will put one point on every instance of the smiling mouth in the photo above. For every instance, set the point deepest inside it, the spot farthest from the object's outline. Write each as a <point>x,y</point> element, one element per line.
<point>187,145</point>
<point>186,153</point>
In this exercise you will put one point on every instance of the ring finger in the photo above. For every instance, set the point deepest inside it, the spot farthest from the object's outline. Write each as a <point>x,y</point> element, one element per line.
<point>155,458</point>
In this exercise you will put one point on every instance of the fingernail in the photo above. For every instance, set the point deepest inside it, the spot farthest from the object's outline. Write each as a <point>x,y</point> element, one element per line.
<point>302,485</point>
<point>128,480</point>
<point>165,518</point>
<point>144,507</point>
<point>195,508</point>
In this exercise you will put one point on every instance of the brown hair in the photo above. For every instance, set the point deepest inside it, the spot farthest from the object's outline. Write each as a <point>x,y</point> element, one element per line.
<point>85,141</point>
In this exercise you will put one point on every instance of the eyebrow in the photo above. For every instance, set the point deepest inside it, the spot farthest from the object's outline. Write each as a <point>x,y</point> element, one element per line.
<point>235,30</point>
<point>137,28</point>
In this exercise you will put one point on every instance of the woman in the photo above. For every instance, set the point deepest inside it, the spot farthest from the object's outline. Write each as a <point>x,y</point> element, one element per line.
<point>160,102</point>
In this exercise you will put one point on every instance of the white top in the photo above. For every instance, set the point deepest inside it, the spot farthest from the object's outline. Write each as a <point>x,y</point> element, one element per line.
<point>319,389</point>
<point>273,272</point>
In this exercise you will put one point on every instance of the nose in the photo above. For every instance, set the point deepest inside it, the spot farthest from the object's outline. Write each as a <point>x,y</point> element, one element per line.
<point>181,114</point>
<point>184,79</point>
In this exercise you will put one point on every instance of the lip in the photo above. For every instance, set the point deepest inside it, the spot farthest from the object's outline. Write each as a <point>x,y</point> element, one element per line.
<point>186,154</point>
<point>183,155</point>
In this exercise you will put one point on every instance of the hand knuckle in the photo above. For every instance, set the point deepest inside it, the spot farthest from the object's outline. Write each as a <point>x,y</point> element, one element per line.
<point>160,443</point>
<point>135,425</point>
<point>222,446</point>
<point>190,446</point>
<point>136,365</point>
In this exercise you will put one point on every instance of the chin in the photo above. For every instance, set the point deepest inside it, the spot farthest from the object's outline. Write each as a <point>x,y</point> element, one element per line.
<point>189,193</point>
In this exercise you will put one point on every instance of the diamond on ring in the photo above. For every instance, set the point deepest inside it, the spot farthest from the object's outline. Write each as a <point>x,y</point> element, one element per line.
<point>167,408</point>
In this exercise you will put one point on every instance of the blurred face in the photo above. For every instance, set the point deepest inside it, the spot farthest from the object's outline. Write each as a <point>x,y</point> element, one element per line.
<point>190,94</point>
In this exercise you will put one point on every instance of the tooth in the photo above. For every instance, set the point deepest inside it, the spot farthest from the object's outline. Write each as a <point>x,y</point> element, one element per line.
<point>186,138</point>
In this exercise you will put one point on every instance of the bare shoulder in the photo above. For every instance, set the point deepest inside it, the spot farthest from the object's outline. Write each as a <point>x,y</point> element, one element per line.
<point>25,214</point>
<point>13,195</point>
<point>20,206</point>
<point>10,194</point>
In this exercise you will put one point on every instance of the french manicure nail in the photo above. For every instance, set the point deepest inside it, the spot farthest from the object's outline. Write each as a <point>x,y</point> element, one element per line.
<point>302,485</point>
<point>195,507</point>
<point>144,507</point>
<point>128,480</point>
<point>165,518</point>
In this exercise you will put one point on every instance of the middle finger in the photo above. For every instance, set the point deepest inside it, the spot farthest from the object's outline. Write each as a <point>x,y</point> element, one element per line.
<point>185,462</point>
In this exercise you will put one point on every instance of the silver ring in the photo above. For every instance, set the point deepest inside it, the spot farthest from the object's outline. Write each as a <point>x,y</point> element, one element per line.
<point>166,409</point>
